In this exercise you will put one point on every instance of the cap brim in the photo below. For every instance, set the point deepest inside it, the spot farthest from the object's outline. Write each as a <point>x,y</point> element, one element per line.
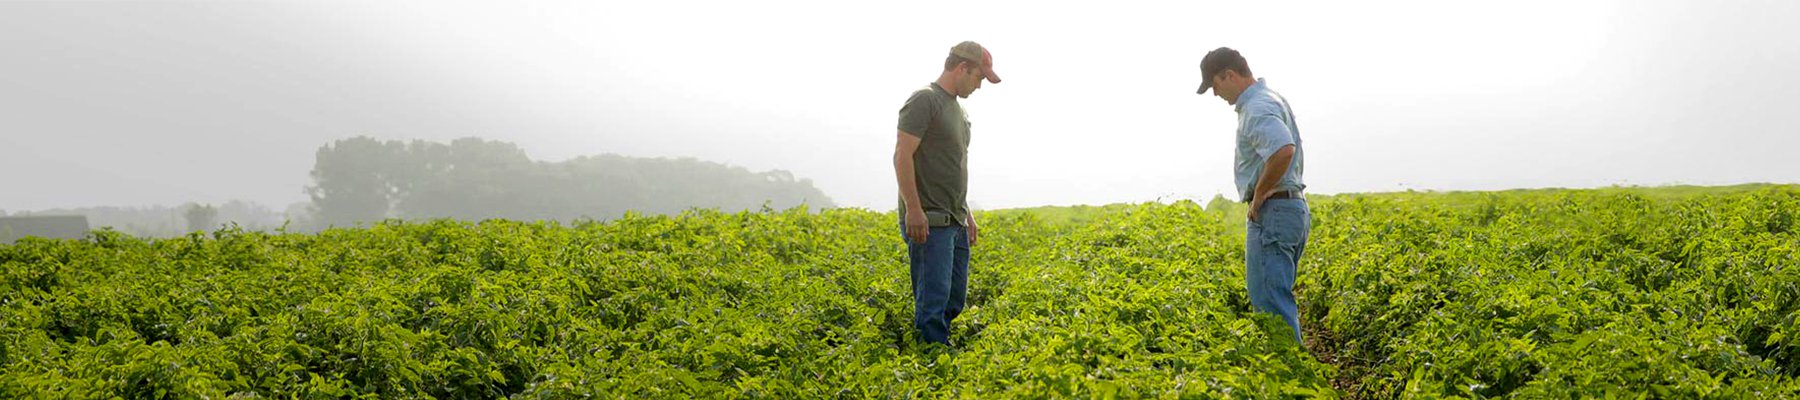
<point>989,71</point>
<point>1205,86</point>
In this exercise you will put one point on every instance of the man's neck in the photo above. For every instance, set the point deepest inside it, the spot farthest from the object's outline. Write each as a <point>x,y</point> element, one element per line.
<point>945,81</point>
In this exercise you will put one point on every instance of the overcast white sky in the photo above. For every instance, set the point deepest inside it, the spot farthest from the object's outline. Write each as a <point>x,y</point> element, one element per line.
<point>138,103</point>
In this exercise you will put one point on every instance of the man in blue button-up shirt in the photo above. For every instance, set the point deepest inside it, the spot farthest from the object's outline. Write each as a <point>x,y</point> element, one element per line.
<point>1270,159</point>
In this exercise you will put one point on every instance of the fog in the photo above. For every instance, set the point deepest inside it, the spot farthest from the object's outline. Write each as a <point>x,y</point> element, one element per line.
<point>145,104</point>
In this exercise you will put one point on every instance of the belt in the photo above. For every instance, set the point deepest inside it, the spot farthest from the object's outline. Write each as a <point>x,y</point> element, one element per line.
<point>1285,195</point>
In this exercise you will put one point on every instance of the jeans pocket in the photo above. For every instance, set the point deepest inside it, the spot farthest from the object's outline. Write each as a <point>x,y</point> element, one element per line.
<point>1282,225</point>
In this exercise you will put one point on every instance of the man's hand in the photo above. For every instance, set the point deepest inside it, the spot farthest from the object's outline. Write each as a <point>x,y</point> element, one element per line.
<point>974,231</point>
<point>1256,204</point>
<point>1273,169</point>
<point>917,229</point>
<point>916,226</point>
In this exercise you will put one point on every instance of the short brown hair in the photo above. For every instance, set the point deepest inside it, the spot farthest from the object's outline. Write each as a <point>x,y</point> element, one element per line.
<point>951,62</point>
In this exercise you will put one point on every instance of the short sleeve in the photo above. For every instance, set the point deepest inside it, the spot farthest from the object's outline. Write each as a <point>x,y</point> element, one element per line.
<point>1269,134</point>
<point>916,115</point>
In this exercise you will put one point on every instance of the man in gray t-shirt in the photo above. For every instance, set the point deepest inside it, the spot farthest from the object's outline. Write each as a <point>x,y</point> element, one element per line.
<point>931,165</point>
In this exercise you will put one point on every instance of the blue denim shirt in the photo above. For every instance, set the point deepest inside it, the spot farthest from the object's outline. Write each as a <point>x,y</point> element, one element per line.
<point>1265,125</point>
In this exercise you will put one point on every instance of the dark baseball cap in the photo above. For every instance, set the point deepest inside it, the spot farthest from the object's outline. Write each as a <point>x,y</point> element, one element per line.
<point>1218,60</point>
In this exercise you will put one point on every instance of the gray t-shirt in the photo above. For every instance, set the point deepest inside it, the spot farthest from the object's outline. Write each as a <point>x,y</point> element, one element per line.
<point>940,166</point>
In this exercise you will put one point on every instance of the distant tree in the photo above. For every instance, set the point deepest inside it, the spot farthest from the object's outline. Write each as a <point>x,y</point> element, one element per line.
<point>169,221</point>
<point>363,179</point>
<point>201,217</point>
<point>248,215</point>
<point>352,180</point>
<point>300,217</point>
<point>469,178</point>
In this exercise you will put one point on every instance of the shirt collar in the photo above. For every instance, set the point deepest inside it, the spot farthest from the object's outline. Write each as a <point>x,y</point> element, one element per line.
<point>1251,92</point>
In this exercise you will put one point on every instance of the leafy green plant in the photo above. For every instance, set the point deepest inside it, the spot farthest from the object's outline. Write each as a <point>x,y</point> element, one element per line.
<point>1413,295</point>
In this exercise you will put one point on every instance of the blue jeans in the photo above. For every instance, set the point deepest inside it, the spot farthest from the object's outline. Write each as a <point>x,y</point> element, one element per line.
<point>1272,250</point>
<point>940,280</point>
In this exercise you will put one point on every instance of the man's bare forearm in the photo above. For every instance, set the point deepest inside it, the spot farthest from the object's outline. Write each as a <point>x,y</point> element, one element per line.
<point>904,173</point>
<point>1273,170</point>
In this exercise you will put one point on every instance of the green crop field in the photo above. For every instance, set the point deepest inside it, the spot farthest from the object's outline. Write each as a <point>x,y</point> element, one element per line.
<point>1628,293</point>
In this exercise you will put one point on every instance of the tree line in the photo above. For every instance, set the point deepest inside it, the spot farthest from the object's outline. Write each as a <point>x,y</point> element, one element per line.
<point>365,179</point>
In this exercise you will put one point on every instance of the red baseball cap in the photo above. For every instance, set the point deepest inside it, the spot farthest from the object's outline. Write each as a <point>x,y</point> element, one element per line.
<point>974,52</point>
